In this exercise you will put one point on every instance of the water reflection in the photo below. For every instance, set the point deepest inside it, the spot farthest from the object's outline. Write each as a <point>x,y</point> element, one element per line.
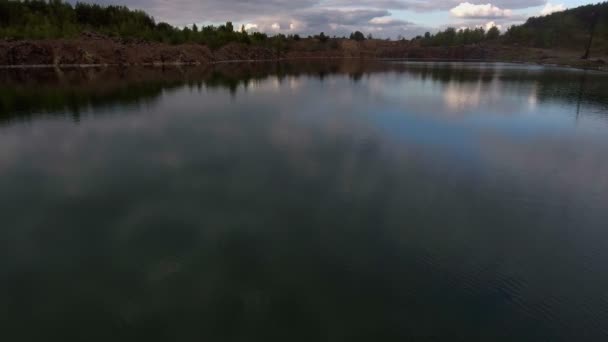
<point>314,201</point>
<point>464,85</point>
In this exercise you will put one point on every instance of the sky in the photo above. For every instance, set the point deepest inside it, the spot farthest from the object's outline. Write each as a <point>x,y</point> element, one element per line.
<point>381,18</point>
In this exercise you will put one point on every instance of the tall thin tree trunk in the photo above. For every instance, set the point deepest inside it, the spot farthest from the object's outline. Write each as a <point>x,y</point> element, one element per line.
<point>592,25</point>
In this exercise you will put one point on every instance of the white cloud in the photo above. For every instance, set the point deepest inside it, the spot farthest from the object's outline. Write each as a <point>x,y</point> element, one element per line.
<point>550,8</point>
<point>469,10</point>
<point>485,26</point>
<point>381,20</point>
<point>491,24</point>
<point>334,17</point>
<point>428,5</point>
<point>250,26</point>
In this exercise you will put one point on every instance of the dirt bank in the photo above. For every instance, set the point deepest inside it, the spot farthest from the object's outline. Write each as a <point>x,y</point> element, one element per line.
<point>93,49</point>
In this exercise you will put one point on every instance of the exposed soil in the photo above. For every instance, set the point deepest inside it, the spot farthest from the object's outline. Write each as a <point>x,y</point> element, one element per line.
<point>94,49</point>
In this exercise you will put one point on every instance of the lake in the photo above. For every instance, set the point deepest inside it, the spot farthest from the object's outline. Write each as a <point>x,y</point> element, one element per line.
<point>304,201</point>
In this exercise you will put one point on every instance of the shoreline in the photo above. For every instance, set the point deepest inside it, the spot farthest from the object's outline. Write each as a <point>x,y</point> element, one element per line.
<point>107,52</point>
<point>320,58</point>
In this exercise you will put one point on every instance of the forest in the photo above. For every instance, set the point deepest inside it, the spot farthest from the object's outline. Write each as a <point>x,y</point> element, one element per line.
<point>570,29</point>
<point>39,19</point>
<point>567,29</point>
<point>453,37</point>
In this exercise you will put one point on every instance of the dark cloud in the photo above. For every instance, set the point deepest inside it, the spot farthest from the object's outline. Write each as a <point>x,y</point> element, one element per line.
<point>339,22</point>
<point>343,17</point>
<point>181,12</point>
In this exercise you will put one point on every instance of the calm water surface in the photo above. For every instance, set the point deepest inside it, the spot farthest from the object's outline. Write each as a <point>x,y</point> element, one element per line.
<point>314,201</point>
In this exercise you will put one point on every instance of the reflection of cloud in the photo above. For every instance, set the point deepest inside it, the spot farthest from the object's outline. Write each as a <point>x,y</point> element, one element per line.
<point>8,150</point>
<point>566,164</point>
<point>461,97</point>
<point>295,83</point>
<point>271,85</point>
<point>458,96</point>
<point>533,97</point>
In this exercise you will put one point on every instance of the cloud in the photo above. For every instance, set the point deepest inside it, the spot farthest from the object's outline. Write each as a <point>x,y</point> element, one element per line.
<point>340,22</point>
<point>429,5</point>
<point>334,17</point>
<point>382,21</point>
<point>342,17</point>
<point>550,8</point>
<point>491,24</point>
<point>184,12</point>
<point>486,26</point>
<point>469,10</point>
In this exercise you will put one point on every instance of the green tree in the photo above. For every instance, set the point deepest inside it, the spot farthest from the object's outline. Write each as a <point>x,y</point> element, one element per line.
<point>493,33</point>
<point>358,36</point>
<point>322,37</point>
<point>229,27</point>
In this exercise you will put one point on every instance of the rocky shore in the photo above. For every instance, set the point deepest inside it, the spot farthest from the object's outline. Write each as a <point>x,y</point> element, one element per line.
<point>93,49</point>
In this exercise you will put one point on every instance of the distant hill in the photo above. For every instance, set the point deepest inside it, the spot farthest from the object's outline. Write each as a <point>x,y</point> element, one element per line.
<point>569,29</point>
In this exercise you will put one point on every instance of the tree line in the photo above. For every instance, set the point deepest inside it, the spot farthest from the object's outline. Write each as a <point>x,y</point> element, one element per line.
<point>39,19</point>
<point>583,28</point>
<point>453,37</point>
<point>570,29</point>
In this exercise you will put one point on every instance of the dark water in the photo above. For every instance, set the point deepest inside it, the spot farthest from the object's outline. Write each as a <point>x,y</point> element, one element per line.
<point>304,202</point>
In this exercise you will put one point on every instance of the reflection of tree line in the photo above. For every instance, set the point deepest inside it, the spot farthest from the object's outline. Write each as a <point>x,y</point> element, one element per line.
<point>25,93</point>
<point>584,87</point>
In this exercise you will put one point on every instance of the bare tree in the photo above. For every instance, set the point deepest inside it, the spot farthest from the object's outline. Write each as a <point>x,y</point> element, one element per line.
<point>592,24</point>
